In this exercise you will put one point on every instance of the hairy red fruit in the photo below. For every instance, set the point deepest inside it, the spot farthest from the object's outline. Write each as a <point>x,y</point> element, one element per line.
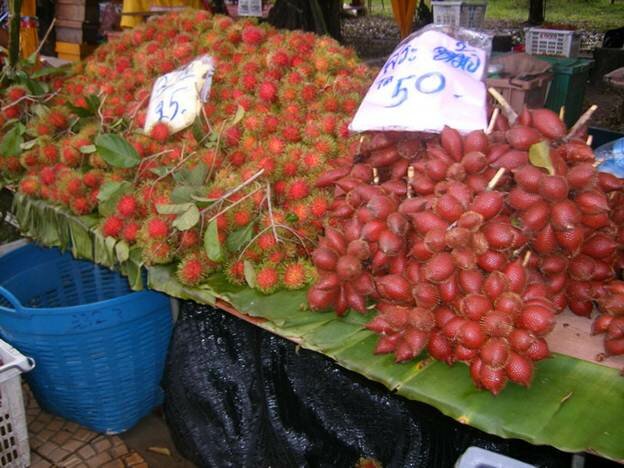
<point>160,132</point>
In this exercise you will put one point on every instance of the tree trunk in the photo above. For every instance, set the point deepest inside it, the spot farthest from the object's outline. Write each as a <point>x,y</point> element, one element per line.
<point>536,12</point>
<point>15,11</point>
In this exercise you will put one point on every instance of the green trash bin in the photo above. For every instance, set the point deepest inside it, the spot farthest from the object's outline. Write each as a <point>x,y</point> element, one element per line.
<point>567,88</point>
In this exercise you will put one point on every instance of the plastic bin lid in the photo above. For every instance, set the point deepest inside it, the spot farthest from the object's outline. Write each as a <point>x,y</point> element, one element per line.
<point>476,457</point>
<point>568,66</point>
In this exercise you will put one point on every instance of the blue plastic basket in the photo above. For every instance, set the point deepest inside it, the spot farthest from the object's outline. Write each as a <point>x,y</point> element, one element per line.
<point>100,348</point>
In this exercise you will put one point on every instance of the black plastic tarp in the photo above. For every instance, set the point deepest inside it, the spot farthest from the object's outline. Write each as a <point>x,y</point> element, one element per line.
<point>239,396</point>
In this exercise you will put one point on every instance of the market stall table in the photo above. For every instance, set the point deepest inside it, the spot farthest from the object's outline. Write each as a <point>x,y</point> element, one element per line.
<point>560,409</point>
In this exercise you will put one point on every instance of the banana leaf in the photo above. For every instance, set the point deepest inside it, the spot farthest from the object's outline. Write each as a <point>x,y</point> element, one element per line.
<point>573,405</point>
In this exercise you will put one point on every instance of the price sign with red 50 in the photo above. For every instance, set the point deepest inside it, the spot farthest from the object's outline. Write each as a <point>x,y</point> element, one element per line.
<point>431,80</point>
<point>177,97</point>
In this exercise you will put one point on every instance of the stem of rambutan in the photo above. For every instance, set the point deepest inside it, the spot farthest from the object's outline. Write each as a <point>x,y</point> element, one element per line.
<point>136,111</point>
<point>490,126</point>
<point>583,119</point>
<point>268,196</point>
<point>507,110</point>
<point>26,97</point>
<point>527,257</point>
<point>492,183</point>
<point>230,206</point>
<point>234,190</point>
<point>45,37</point>
<point>144,160</point>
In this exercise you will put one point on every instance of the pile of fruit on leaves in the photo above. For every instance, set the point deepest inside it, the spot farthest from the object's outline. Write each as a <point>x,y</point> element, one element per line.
<point>469,246</point>
<point>237,187</point>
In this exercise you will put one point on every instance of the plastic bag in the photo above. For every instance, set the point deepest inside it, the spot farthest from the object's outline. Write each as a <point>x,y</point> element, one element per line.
<point>612,156</point>
<point>434,77</point>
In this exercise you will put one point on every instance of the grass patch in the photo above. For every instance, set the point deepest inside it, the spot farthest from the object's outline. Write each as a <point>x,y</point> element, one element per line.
<point>597,15</point>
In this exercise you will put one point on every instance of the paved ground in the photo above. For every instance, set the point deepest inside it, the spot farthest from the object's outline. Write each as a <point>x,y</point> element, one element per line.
<point>58,443</point>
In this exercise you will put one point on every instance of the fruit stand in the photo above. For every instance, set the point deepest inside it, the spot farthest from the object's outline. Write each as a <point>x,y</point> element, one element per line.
<point>438,266</point>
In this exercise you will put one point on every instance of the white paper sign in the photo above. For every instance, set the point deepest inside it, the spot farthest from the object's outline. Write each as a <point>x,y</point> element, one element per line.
<point>177,97</point>
<point>249,7</point>
<point>430,81</point>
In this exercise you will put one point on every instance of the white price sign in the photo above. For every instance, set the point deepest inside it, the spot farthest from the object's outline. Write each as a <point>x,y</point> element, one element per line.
<point>177,97</point>
<point>249,7</point>
<point>428,82</point>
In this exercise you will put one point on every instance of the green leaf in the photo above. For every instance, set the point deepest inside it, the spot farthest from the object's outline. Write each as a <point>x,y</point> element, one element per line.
<point>88,149</point>
<point>198,175</point>
<point>212,246</point>
<point>122,251</point>
<point>240,113</point>
<point>197,130</point>
<point>187,220</point>
<point>29,144</point>
<point>50,71</point>
<point>40,110</point>
<point>116,151</point>
<point>12,141</point>
<point>203,199</point>
<point>175,209</point>
<point>160,171</point>
<point>36,88</point>
<point>182,194</point>
<point>292,217</point>
<point>80,111</point>
<point>110,188</point>
<point>539,155</point>
<point>109,195</point>
<point>238,239</point>
<point>93,102</point>
<point>250,273</point>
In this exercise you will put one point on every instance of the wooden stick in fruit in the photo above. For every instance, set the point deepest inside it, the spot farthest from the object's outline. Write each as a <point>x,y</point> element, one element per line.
<point>580,122</point>
<point>507,110</point>
<point>492,121</point>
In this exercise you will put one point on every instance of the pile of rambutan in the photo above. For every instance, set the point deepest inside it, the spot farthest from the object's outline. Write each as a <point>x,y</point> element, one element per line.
<point>296,92</point>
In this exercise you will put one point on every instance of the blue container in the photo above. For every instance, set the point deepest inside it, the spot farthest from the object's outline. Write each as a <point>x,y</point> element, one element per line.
<point>100,348</point>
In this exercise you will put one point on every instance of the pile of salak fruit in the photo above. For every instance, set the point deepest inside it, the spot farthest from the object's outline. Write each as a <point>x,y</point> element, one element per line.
<point>466,246</point>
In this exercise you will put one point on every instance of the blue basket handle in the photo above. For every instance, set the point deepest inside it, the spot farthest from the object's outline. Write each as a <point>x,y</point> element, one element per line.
<point>8,295</point>
<point>24,367</point>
